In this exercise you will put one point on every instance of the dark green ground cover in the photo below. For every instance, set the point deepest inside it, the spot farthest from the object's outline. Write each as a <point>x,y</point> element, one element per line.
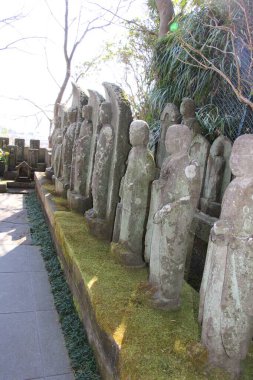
<point>81,355</point>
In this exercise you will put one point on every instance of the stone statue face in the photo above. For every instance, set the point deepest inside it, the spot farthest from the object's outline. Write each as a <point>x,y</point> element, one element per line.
<point>187,108</point>
<point>139,133</point>
<point>178,139</point>
<point>241,160</point>
<point>105,113</point>
<point>87,112</point>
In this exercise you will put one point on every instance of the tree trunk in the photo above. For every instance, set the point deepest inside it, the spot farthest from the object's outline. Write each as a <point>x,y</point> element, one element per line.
<point>166,14</point>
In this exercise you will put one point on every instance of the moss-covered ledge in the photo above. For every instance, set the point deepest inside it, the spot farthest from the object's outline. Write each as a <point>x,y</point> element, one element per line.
<point>131,340</point>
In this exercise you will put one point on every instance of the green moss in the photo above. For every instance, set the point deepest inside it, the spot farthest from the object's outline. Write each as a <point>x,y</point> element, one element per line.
<point>154,344</point>
<point>61,203</point>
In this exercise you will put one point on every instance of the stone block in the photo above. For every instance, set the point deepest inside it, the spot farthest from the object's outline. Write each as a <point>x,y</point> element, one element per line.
<point>60,188</point>
<point>41,167</point>
<point>3,188</point>
<point>203,224</point>
<point>78,202</point>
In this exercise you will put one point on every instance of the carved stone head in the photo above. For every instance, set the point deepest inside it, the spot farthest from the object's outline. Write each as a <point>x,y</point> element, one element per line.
<point>72,116</point>
<point>87,112</point>
<point>187,108</point>
<point>139,133</point>
<point>171,114</point>
<point>178,139</point>
<point>105,113</point>
<point>241,160</point>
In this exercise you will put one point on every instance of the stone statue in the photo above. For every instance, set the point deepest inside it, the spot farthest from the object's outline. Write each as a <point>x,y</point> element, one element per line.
<point>178,191</point>
<point>110,160</point>
<point>67,147</point>
<point>80,162</point>
<point>226,308</point>
<point>199,151</point>
<point>79,99</point>
<point>217,178</point>
<point>102,162</point>
<point>188,112</point>
<point>79,195</point>
<point>169,116</point>
<point>211,199</point>
<point>135,192</point>
<point>57,134</point>
<point>58,156</point>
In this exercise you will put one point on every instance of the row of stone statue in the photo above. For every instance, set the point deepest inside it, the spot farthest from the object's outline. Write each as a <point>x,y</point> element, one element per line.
<point>147,207</point>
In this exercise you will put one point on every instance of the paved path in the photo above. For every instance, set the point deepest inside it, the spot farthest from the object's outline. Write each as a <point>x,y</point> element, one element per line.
<point>31,341</point>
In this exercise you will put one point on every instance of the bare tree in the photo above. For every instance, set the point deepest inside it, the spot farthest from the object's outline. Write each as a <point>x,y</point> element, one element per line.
<point>10,22</point>
<point>97,22</point>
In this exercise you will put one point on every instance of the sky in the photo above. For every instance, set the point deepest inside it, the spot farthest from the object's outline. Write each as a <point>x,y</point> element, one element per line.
<point>33,68</point>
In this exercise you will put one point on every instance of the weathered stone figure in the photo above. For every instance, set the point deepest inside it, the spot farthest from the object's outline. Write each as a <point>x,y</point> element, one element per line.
<point>67,147</point>
<point>80,156</point>
<point>218,176</point>
<point>199,151</point>
<point>79,195</point>
<point>188,112</point>
<point>58,156</point>
<point>211,199</point>
<point>226,310</point>
<point>111,155</point>
<point>169,116</point>
<point>135,191</point>
<point>80,162</point>
<point>102,162</point>
<point>53,141</point>
<point>178,191</point>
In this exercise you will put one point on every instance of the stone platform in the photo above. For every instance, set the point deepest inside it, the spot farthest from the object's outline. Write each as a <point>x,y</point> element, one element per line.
<point>130,339</point>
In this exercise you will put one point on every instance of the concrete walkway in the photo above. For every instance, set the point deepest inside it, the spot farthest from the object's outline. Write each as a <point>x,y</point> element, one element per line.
<point>31,341</point>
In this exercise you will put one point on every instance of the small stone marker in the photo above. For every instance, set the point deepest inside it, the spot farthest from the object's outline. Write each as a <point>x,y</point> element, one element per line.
<point>20,144</point>
<point>34,144</point>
